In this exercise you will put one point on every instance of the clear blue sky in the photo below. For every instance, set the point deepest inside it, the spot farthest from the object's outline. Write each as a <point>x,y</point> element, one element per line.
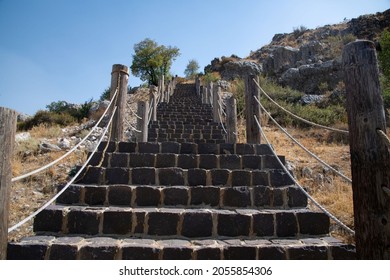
<point>54,50</point>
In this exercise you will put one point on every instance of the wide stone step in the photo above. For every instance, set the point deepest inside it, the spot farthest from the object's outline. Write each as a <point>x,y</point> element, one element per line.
<point>188,136</point>
<point>185,124</point>
<point>183,196</point>
<point>184,140</point>
<point>47,247</point>
<point>187,161</point>
<point>183,222</point>
<point>174,176</point>
<point>185,148</point>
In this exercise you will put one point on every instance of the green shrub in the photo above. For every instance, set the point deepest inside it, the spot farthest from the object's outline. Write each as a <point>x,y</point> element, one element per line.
<point>47,118</point>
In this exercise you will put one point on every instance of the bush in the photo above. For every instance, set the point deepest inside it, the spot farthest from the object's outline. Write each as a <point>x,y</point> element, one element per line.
<point>298,31</point>
<point>47,118</point>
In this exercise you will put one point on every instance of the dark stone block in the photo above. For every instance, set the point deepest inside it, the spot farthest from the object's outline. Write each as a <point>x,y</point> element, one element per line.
<point>83,222</point>
<point>95,195</point>
<point>170,147</point>
<point>197,177</point>
<point>233,224</point>
<point>230,162</point>
<point>279,178</point>
<point>271,162</point>
<point>131,252</point>
<point>92,175</point>
<point>171,176</point>
<point>98,252</point>
<point>207,161</point>
<point>278,198</point>
<point>286,224</point>
<point>208,148</point>
<point>241,178</point>
<point>272,253</point>
<point>343,252</point>
<point>208,253</point>
<point>178,252</point>
<point>63,252</point>
<point>119,160</point>
<point>205,195</point>
<point>147,196</point>
<point>127,147</point>
<point>96,158</point>
<point>308,253</point>
<point>263,149</point>
<point>49,219</point>
<point>142,160</point>
<point>175,196</point>
<point>240,253</point>
<point>20,251</point>
<point>263,224</point>
<point>108,147</point>
<point>140,219</point>
<point>70,196</point>
<point>119,195</point>
<point>260,178</point>
<point>143,176</point>
<point>165,160</point>
<point>117,222</point>
<point>148,148</point>
<point>163,223</point>
<point>236,197</point>
<point>313,223</point>
<point>262,196</point>
<point>296,198</point>
<point>197,224</point>
<point>117,175</point>
<point>219,177</point>
<point>251,162</point>
<point>245,149</point>
<point>187,161</point>
<point>189,148</point>
<point>226,149</point>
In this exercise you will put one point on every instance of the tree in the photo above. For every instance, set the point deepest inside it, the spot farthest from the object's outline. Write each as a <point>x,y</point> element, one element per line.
<point>150,60</point>
<point>192,69</point>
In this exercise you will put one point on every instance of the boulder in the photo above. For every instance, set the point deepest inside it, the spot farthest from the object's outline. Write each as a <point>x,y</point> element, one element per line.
<point>239,69</point>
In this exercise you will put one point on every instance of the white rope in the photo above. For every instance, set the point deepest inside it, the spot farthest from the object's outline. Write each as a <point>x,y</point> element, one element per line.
<point>330,215</point>
<point>220,120</point>
<point>221,107</point>
<point>68,184</point>
<point>132,127</point>
<point>384,137</point>
<point>70,151</point>
<point>298,117</point>
<point>303,147</point>
<point>134,113</point>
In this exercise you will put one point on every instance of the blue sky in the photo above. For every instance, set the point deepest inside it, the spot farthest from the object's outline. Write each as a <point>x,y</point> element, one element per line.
<point>54,50</point>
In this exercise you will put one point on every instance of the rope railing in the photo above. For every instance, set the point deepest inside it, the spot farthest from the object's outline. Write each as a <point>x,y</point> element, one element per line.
<point>69,183</point>
<point>298,117</point>
<point>384,137</point>
<point>303,147</point>
<point>220,120</point>
<point>71,150</point>
<point>323,209</point>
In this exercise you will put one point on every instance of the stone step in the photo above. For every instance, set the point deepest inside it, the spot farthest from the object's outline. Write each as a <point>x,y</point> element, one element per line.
<point>187,161</point>
<point>178,135</point>
<point>186,148</point>
<point>184,130</point>
<point>185,124</point>
<point>49,247</point>
<point>181,222</point>
<point>183,140</point>
<point>183,196</point>
<point>175,176</point>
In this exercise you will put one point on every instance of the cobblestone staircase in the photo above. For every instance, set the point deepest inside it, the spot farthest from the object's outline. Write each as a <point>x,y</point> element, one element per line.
<point>185,194</point>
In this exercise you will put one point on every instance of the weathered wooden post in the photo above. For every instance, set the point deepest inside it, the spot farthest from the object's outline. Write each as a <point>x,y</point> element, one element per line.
<point>231,119</point>
<point>153,97</point>
<point>197,85</point>
<point>119,79</point>
<point>7,141</point>
<point>215,97</point>
<point>142,124</point>
<point>252,109</point>
<point>204,95</point>
<point>370,158</point>
<point>209,93</point>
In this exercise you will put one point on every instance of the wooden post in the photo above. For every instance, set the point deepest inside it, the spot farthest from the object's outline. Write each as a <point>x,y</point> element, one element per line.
<point>204,94</point>
<point>153,97</point>
<point>370,158</point>
<point>209,93</point>
<point>119,79</point>
<point>197,85</point>
<point>231,119</point>
<point>252,109</point>
<point>7,141</point>
<point>216,94</point>
<point>142,124</point>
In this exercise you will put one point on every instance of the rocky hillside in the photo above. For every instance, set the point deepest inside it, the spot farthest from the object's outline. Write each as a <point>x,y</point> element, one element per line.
<point>308,60</point>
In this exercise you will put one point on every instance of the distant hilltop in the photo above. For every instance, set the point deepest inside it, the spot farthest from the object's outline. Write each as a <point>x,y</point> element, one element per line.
<point>305,59</point>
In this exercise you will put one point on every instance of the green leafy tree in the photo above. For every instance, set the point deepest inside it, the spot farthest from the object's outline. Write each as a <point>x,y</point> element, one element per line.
<point>151,60</point>
<point>192,69</point>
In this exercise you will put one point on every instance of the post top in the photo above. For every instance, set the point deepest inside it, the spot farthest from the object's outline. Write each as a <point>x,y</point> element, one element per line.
<point>120,68</point>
